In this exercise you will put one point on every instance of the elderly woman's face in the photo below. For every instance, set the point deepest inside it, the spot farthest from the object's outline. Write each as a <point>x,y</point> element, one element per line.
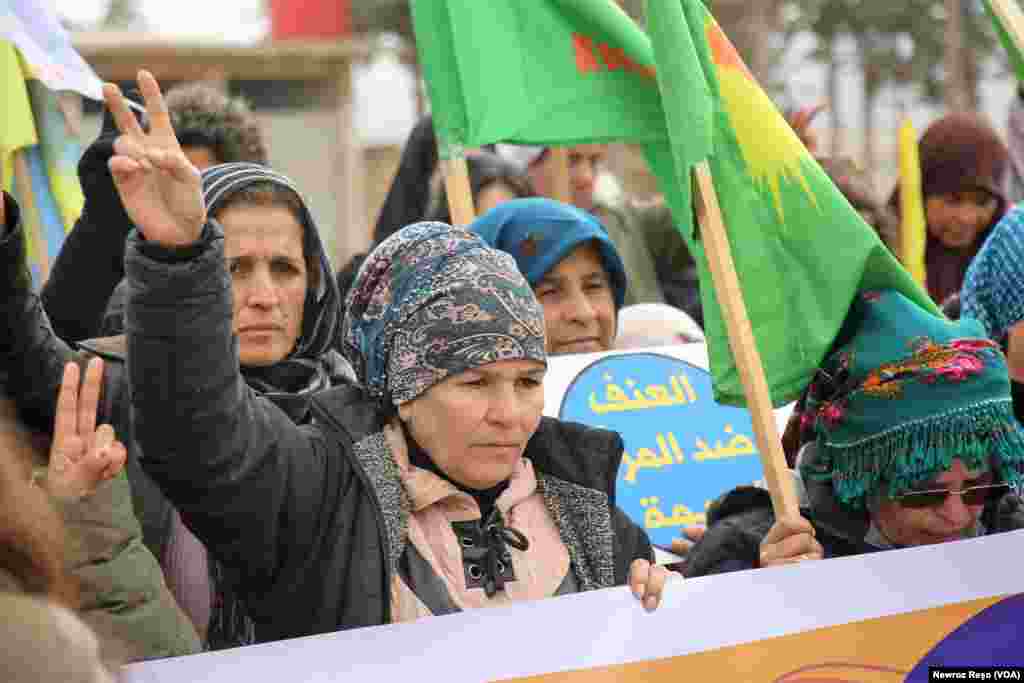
<point>263,247</point>
<point>579,305</point>
<point>475,425</point>
<point>947,521</point>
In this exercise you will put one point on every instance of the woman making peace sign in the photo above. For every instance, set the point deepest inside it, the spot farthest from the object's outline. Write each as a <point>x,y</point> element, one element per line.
<point>434,487</point>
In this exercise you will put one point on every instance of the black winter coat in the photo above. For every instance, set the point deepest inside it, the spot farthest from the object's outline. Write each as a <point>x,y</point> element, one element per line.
<point>91,260</point>
<point>300,521</point>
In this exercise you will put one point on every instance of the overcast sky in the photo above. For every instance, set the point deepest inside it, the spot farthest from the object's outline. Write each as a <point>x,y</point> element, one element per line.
<point>242,20</point>
<point>233,19</point>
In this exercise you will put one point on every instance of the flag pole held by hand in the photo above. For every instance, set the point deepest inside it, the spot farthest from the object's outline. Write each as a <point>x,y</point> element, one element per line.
<point>741,339</point>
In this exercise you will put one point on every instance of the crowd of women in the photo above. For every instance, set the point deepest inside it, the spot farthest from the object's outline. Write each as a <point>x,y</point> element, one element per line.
<point>213,439</point>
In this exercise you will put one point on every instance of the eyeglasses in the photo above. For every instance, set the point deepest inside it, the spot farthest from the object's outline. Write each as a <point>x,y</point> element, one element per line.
<point>972,495</point>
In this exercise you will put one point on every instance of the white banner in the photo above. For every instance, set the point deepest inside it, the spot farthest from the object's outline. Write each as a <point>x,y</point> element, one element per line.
<point>886,616</point>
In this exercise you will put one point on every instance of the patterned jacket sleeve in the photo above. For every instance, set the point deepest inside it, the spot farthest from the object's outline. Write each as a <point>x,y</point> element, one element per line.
<point>993,289</point>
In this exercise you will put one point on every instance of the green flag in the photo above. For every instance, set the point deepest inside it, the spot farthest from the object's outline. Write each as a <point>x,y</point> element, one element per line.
<point>579,71</point>
<point>546,72</point>
<point>1012,49</point>
<point>802,252</point>
<point>523,72</point>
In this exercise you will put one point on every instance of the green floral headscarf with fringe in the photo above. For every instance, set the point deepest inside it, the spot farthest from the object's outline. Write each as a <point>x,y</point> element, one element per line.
<point>904,395</point>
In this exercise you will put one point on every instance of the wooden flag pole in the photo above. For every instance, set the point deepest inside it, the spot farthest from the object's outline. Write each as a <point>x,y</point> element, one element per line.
<point>562,188</point>
<point>741,340</point>
<point>1012,18</point>
<point>458,191</point>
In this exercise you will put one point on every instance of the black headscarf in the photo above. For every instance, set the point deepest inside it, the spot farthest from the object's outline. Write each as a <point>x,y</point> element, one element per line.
<point>314,364</point>
<point>409,195</point>
<point>484,169</point>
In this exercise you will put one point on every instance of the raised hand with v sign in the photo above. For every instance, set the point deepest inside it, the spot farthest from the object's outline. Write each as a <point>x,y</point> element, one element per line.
<point>159,187</point>
<point>82,455</point>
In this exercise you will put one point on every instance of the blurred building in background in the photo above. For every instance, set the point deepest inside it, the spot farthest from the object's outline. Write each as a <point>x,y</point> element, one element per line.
<point>337,103</point>
<point>336,109</point>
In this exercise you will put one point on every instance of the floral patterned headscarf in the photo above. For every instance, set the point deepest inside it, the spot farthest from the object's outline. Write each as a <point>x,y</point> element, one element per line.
<point>432,301</point>
<point>905,394</point>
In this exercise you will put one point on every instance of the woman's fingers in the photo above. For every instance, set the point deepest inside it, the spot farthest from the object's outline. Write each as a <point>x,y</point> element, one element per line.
<point>798,548</point>
<point>655,587</point>
<point>682,546</point>
<point>89,397</point>
<point>108,454</point>
<point>789,540</point>
<point>647,582</point>
<point>175,163</point>
<point>691,535</point>
<point>156,108</point>
<point>639,572</point>
<point>125,171</point>
<point>118,106</point>
<point>127,147</point>
<point>65,424</point>
<point>105,438</point>
<point>118,456</point>
<point>787,526</point>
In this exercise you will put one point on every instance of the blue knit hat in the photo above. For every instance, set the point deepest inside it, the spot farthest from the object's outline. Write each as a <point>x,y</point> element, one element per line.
<point>539,233</point>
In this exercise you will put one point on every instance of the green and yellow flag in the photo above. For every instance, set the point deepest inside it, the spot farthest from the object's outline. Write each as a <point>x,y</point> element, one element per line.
<point>578,71</point>
<point>801,251</point>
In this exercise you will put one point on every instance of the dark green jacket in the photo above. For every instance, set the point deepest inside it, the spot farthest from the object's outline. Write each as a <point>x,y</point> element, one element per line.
<point>124,596</point>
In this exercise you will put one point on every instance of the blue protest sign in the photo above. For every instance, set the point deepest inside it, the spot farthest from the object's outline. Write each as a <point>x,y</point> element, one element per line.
<point>682,450</point>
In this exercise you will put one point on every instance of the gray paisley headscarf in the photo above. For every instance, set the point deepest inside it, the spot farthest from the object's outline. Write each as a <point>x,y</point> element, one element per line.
<point>432,301</point>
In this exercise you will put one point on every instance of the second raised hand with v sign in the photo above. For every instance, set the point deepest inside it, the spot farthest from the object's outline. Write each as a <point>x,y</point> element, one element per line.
<point>82,455</point>
<point>159,187</point>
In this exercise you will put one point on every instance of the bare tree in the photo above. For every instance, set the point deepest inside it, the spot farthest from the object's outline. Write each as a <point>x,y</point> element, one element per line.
<point>834,65</point>
<point>752,25</point>
<point>956,91</point>
<point>122,14</point>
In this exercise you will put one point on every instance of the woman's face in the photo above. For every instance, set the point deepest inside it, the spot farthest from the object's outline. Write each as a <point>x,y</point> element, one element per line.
<point>948,521</point>
<point>579,305</point>
<point>263,247</point>
<point>475,425</point>
<point>956,218</point>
